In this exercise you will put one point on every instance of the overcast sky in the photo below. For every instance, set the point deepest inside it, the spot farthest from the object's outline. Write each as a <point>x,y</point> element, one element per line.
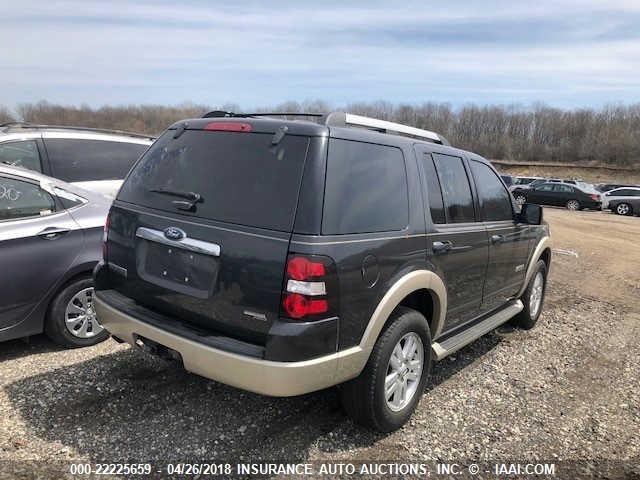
<point>564,53</point>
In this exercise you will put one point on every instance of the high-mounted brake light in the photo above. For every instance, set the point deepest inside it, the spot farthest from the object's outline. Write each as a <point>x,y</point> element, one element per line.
<point>228,127</point>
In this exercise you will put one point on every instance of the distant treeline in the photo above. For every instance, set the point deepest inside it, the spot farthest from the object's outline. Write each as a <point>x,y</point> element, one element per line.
<point>607,135</point>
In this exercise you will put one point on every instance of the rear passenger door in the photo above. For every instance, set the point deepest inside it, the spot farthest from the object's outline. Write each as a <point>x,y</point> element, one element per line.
<point>457,242</point>
<point>38,242</point>
<point>508,240</point>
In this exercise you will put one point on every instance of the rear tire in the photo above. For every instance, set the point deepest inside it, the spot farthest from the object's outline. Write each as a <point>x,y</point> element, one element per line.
<point>573,205</point>
<point>56,323</point>
<point>623,209</point>
<point>533,298</point>
<point>367,399</point>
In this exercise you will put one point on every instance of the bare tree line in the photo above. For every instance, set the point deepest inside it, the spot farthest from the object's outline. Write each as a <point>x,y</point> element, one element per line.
<point>607,135</point>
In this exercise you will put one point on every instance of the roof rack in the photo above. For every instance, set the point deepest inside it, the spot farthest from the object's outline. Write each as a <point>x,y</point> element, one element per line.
<point>222,113</point>
<point>70,127</point>
<point>342,119</point>
<point>348,119</point>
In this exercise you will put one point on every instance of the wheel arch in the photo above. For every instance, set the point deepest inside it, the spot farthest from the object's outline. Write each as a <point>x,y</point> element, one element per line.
<point>412,287</point>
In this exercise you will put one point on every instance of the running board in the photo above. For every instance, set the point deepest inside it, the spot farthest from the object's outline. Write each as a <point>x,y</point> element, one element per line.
<point>455,343</point>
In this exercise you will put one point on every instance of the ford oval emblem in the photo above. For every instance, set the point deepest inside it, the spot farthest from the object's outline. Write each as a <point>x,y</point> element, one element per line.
<point>174,233</point>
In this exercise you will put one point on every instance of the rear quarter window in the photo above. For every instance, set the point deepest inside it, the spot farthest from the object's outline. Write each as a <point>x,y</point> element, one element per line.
<point>366,189</point>
<point>80,160</point>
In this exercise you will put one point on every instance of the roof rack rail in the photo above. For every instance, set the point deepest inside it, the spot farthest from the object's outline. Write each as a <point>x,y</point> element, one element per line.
<point>71,127</point>
<point>222,113</point>
<point>343,119</point>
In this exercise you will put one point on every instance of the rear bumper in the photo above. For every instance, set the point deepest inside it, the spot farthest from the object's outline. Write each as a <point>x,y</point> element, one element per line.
<point>279,379</point>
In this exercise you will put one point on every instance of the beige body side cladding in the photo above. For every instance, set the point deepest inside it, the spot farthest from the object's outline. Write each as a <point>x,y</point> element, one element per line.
<point>543,244</point>
<point>277,378</point>
<point>293,378</point>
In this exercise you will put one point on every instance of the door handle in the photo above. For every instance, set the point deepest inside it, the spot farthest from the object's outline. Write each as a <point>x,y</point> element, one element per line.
<point>497,238</point>
<point>442,247</point>
<point>51,233</point>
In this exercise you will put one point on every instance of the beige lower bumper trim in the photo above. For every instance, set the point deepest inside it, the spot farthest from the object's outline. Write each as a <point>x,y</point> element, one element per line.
<point>280,379</point>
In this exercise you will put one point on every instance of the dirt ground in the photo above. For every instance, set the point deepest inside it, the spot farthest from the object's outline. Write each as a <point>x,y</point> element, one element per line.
<point>565,391</point>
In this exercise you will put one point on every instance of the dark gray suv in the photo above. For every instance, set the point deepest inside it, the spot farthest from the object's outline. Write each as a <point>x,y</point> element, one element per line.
<point>50,238</point>
<point>284,257</point>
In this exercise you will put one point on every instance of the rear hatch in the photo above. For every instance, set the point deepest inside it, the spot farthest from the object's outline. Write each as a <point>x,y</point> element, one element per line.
<point>202,226</point>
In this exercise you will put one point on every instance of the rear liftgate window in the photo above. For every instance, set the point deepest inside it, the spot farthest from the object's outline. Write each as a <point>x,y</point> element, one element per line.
<point>240,177</point>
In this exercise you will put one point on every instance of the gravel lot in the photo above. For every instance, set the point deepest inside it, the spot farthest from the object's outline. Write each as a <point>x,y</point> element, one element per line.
<point>566,390</point>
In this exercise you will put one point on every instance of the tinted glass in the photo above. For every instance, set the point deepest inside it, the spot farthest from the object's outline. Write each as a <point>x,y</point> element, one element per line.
<point>625,192</point>
<point>456,191</point>
<point>20,199</point>
<point>77,160</point>
<point>68,199</point>
<point>21,154</point>
<point>495,201</point>
<point>366,189</point>
<point>563,188</point>
<point>547,187</point>
<point>436,204</point>
<point>241,177</point>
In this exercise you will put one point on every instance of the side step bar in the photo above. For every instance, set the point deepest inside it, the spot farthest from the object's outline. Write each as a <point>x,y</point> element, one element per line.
<point>455,343</point>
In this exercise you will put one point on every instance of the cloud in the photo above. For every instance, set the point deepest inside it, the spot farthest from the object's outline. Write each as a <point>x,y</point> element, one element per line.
<point>567,53</point>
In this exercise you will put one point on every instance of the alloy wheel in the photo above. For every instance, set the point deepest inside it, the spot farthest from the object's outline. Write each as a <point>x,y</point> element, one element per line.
<point>622,209</point>
<point>404,372</point>
<point>573,205</point>
<point>535,298</point>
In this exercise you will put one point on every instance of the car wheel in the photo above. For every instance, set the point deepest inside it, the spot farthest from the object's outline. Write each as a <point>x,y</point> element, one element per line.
<point>533,298</point>
<point>573,205</point>
<point>521,199</point>
<point>387,391</point>
<point>71,320</point>
<point>623,209</point>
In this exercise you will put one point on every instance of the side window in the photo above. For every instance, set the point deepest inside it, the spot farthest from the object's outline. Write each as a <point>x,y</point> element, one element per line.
<point>436,204</point>
<point>19,199</point>
<point>68,199</point>
<point>21,154</point>
<point>563,188</point>
<point>546,187</point>
<point>456,192</point>
<point>495,201</point>
<point>78,160</point>
<point>366,189</point>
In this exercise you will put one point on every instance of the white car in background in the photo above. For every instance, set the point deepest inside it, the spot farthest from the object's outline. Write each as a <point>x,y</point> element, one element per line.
<point>632,194</point>
<point>94,159</point>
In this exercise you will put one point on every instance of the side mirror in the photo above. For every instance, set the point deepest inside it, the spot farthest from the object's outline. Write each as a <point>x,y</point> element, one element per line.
<point>530,214</point>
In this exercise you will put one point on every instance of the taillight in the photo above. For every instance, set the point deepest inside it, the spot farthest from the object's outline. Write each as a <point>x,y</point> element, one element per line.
<point>228,127</point>
<point>310,288</point>
<point>105,236</point>
<point>595,197</point>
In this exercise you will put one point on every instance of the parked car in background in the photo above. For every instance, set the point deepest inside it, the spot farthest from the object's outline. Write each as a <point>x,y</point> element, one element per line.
<point>623,201</point>
<point>508,180</point>
<point>50,240</point>
<point>607,187</point>
<point>370,255</point>
<point>94,159</point>
<point>559,194</point>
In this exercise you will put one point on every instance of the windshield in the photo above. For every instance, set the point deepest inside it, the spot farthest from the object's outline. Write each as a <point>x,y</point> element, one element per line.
<point>228,176</point>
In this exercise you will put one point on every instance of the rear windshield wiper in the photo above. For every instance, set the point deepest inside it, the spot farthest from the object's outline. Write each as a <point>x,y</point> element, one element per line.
<point>192,197</point>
